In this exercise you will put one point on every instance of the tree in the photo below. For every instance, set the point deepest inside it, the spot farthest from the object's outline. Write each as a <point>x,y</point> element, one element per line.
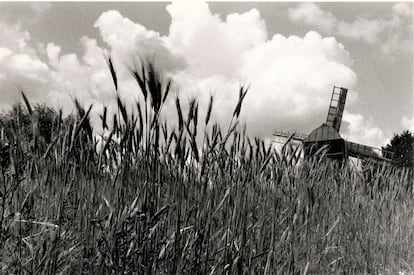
<point>25,122</point>
<point>402,145</point>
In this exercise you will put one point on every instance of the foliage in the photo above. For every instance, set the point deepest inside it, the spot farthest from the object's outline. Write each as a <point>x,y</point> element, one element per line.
<point>403,147</point>
<point>145,198</point>
<point>24,121</point>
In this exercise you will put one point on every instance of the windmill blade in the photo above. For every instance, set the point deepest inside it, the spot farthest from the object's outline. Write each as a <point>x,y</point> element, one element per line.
<point>336,107</point>
<point>289,135</point>
<point>363,151</point>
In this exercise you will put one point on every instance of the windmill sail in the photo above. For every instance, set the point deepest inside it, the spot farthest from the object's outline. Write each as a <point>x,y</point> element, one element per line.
<point>336,108</point>
<point>362,151</point>
<point>289,135</point>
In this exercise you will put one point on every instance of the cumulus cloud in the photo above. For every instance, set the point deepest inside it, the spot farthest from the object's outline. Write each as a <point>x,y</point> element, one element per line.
<point>53,52</point>
<point>291,77</point>
<point>19,63</point>
<point>126,39</point>
<point>44,74</point>
<point>211,45</point>
<point>391,30</point>
<point>313,15</point>
<point>361,130</point>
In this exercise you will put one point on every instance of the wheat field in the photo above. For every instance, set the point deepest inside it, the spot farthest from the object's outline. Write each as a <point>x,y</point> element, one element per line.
<point>147,198</point>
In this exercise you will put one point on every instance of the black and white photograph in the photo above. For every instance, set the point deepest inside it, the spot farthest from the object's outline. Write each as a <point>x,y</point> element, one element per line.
<point>206,137</point>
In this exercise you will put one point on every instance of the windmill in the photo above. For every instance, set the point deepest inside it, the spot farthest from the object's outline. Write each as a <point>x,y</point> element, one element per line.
<point>328,135</point>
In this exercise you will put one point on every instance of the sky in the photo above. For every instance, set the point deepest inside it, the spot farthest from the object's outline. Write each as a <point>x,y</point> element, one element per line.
<point>291,54</point>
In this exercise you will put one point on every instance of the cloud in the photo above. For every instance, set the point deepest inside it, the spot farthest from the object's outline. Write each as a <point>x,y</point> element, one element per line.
<point>403,9</point>
<point>291,77</point>
<point>45,75</point>
<point>407,123</point>
<point>211,45</point>
<point>19,64</point>
<point>362,29</point>
<point>14,38</point>
<point>53,52</point>
<point>361,130</point>
<point>313,15</point>
<point>400,33</point>
<point>127,39</point>
<point>4,53</point>
<point>391,30</point>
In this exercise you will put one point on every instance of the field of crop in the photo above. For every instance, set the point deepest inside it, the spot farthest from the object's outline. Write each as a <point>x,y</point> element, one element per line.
<point>151,199</point>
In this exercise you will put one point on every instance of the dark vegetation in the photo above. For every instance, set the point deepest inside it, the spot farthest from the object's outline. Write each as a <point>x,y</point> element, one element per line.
<point>403,147</point>
<point>155,200</point>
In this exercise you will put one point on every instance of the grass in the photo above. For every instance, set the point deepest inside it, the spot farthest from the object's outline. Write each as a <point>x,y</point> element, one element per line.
<point>150,199</point>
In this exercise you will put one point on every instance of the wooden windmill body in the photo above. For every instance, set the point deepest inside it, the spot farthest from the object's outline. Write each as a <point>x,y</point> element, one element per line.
<point>328,135</point>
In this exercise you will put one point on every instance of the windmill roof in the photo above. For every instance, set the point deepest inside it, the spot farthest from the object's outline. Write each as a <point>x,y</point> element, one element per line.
<point>322,133</point>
